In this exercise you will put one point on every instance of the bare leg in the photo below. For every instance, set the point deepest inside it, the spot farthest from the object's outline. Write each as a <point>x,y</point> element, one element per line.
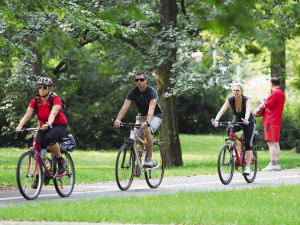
<point>55,149</point>
<point>272,151</point>
<point>277,152</point>
<point>249,156</point>
<point>148,143</point>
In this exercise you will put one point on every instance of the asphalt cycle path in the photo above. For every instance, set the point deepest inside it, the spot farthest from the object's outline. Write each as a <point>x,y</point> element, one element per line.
<point>168,186</point>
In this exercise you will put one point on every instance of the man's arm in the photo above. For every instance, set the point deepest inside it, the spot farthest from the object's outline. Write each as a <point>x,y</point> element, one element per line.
<point>152,106</point>
<point>122,113</point>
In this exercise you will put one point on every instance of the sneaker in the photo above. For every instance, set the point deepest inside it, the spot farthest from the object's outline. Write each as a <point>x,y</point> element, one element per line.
<point>247,171</point>
<point>148,163</point>
<point>35,183</point>
<point>61,166</point>
<point>270,167</point>
<point>277,167</point>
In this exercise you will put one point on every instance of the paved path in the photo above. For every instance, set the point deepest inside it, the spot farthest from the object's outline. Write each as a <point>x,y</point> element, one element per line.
<point>169,185</point>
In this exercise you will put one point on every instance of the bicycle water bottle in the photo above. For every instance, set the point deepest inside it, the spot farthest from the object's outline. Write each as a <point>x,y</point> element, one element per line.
<point>139,150</point>
<point>43,153</point>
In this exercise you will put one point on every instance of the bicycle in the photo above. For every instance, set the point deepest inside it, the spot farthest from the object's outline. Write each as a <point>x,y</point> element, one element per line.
<point>129,154</point>
<point>229,151</point>
<point>31,164</point>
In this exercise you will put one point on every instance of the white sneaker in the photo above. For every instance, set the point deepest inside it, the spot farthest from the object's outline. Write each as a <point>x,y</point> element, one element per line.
<point>270,167</point>
<point>148,163</point>
<point>277,167</point>
<point>247,171</point>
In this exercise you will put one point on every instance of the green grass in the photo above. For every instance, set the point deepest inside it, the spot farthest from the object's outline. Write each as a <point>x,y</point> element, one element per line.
<point>267,205</point>
<point>199,153</point>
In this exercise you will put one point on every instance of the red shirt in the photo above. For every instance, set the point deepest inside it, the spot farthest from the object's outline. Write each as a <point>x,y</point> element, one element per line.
<point>43,111</point>
<point>274,107</point>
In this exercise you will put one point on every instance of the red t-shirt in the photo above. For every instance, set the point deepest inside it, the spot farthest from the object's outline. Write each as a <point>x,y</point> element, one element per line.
<point>43,111</point>
<point>274,107</point>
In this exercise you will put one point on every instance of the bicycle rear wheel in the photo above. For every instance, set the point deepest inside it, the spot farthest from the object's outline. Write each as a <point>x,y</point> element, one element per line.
<point>155,175</point>
<point>251,177</point>
<point>225,164</point>
<point>124,167</point>
<point>64,185</point>
<point>26,178</point>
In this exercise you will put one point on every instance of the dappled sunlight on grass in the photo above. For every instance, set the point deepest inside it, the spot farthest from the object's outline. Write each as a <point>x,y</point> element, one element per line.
<point>199,154</point>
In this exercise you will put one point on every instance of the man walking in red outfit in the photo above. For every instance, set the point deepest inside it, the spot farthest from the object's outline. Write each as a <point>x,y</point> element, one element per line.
<point>272,123</point>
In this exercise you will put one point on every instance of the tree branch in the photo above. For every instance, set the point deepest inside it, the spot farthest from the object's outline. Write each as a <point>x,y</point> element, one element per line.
<point>132,43</point>
<point>194,32</point>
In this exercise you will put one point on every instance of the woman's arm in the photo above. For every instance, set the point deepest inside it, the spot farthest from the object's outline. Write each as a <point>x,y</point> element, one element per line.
<point>248,110</point>
<point>25,119</point>
<point>221,112</point>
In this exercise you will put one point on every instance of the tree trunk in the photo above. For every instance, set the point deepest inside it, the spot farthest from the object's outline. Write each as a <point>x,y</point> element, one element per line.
<point>278,63</point>
<point>169,129</point>
<point>36,67</point>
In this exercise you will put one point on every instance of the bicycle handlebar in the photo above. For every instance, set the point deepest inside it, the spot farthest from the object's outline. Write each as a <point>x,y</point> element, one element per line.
<point>131,125</point>
<point>228,123</point>
<point>31,129</point>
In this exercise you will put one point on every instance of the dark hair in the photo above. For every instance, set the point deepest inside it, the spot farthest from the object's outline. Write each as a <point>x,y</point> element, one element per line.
<point>275,81</point>
<point>141,73</point>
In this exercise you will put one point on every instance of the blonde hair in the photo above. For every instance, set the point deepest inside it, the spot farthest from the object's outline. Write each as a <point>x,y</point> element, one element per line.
<point>237,83</point>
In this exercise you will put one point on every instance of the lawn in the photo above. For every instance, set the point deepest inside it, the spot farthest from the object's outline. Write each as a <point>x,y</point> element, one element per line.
<point>267,205</point>
<point>199,153</point>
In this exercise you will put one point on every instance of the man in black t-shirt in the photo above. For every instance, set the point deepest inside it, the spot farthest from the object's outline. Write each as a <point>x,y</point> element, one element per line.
<point>149,112</point>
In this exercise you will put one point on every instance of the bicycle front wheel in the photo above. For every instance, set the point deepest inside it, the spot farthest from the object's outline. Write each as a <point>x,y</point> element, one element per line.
<point>26,176</point>
<point>64,184</point>
<point>124,167</point>
<point>253,166</point>
<point>225,164</point>
<point>155,175</point>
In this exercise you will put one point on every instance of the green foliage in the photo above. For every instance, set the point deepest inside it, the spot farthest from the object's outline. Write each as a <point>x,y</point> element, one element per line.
<point>196,111</point>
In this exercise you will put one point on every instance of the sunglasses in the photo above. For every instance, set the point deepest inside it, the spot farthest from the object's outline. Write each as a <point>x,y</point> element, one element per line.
<point>235,90</point>
<point>44,87</point>
<point>142,80</point>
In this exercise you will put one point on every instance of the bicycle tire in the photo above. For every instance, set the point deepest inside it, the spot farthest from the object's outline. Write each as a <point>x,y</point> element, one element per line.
<point>25,183</point>
<point>124,167</point>
<point>64,185</point>
<point>154,177</point>
<point>251,177</point>
<point>225,164</point>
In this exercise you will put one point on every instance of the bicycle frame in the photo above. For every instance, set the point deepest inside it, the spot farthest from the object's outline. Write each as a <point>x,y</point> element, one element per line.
<point>36,148</point>
<point>133,138</point>
<point>233,137</point>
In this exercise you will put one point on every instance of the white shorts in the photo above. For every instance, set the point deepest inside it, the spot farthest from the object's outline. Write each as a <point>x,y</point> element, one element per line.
<point>154,124</point>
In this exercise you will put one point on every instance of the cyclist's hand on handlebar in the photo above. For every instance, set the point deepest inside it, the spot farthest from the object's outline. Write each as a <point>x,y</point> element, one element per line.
<point>246,122</point>
<point>18,128</point>
<point>215,123</point>
<point>144,126</point>
<point>117,123</point>
<point>45,127</point>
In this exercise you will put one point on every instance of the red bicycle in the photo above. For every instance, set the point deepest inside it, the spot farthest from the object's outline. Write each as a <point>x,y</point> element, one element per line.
<point>31,164</point>
<point>234,147</point>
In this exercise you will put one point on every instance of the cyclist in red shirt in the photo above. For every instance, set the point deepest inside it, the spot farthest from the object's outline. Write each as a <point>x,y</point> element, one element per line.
<point>53,123</point>
<point>272,123</point>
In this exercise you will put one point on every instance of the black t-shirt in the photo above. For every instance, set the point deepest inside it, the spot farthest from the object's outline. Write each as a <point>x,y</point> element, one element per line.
<point>142,100</point>
<point>238,115</point>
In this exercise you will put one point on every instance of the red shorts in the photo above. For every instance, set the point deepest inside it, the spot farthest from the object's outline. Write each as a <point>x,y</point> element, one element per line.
<point>272,132</point>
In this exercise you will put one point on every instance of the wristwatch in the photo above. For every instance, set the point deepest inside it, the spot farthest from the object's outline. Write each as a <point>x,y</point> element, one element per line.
<point>148,124</point>
<point>49,125</point>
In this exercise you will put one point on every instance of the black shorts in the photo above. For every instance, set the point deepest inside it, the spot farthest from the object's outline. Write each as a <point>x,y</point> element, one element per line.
<point>51,136</point>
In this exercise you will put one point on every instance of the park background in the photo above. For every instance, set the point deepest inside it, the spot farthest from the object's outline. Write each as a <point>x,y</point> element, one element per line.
<point>192,51</point>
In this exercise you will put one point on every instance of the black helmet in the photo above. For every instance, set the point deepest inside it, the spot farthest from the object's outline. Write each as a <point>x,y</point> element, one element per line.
<point>45,81</point>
